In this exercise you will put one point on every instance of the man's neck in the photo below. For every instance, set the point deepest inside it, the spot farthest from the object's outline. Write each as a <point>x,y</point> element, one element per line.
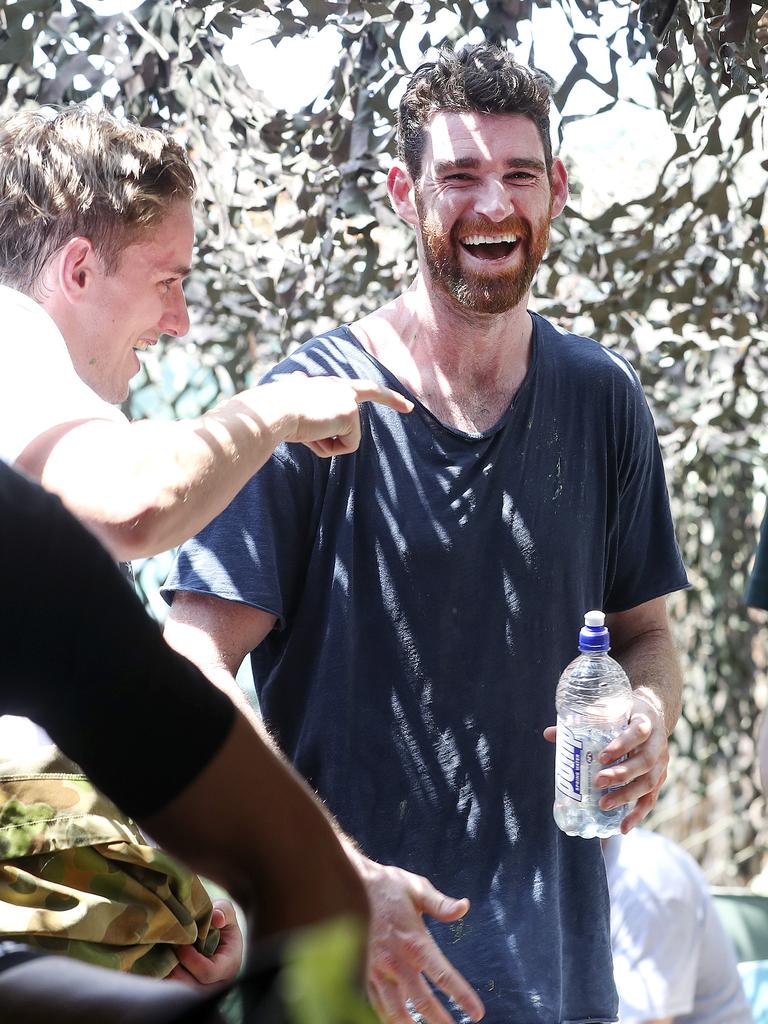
<point>465,367</point>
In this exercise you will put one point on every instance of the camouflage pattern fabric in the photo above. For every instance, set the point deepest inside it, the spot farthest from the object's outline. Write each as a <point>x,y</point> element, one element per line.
<point>78,877</point>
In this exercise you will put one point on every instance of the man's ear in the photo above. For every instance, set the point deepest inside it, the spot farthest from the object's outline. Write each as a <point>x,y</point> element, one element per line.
<point>76,266</point>
<point>558,186</point>
<point>402,193</point>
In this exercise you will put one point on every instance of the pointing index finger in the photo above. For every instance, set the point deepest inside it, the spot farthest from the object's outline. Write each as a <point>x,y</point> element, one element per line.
<point>368,391</point>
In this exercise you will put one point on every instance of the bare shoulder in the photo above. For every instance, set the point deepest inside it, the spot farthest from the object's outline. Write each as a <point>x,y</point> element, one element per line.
<point>385,329</point>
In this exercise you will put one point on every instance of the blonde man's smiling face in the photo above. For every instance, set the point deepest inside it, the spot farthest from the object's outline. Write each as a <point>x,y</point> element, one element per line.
<point>129,309</point>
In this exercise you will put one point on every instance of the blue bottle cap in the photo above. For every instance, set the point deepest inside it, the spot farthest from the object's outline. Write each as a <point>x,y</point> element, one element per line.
<point>594,636</point>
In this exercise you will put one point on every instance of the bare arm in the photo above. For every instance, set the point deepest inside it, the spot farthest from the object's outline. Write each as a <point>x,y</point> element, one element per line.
<point>217,635</point>
<point>237,823</point>
<point>147,486</point>
<point>642,643</point>
<point>63,989</point>
<point>401,953</point>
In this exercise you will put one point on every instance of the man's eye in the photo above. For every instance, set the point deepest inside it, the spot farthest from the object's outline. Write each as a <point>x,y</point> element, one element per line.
<point>458,177</point>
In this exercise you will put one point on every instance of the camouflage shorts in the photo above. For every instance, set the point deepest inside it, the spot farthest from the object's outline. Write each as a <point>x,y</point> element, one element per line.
<point>77,876</point>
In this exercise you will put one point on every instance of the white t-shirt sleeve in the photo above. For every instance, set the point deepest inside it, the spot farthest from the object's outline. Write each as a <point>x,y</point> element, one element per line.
<point>39,388</point>
<point>656,955</point>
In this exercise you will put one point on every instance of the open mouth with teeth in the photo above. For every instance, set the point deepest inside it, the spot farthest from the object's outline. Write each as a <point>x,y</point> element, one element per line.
<point>490,247</point>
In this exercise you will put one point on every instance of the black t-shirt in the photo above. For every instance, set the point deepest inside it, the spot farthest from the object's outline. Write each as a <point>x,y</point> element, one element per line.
<point>429,590</point>
<point>81,657</point>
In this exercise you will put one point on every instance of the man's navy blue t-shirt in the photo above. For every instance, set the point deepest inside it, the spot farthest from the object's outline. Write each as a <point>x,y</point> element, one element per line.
<point>429,591</point>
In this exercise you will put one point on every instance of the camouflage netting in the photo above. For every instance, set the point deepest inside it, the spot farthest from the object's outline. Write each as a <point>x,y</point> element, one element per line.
<point>295,234</point>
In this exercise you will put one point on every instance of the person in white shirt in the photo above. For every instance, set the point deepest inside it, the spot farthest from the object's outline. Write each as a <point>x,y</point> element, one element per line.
<point>96,238</point>
<point>672,959</point>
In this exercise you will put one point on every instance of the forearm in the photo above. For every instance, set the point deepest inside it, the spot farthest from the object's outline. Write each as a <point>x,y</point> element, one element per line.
<point>250,823</point>
<point>653,666</point>
<point>307,870</point>
<point>146,487</point>
<point>63,989</point>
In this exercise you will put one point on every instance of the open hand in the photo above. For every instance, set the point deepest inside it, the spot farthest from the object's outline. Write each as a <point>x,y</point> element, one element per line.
<point>401,952</point>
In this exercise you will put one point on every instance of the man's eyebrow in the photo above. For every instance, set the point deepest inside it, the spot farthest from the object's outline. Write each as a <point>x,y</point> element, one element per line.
<point>459,164</point>
<point>181,271</point>
<point>530,163</point>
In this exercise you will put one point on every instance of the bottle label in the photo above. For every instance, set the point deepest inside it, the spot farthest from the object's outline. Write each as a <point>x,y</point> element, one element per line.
<point>570,758</point>
<point>576,761</point>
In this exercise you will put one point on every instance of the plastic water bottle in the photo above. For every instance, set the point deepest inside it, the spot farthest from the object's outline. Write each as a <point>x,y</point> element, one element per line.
<point>593,701</point>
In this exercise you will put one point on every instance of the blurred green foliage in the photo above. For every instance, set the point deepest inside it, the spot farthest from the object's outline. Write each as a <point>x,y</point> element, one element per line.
<point>295,234</point>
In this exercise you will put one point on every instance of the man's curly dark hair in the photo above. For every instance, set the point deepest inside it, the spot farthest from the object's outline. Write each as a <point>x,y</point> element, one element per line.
<point>481,78</point>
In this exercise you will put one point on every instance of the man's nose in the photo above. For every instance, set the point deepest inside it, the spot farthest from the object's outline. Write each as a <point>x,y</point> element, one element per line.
<point>175,319</point>
<point>494,200</point>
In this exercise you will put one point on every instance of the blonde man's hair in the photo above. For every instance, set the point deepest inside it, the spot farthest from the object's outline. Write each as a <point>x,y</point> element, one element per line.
<point>78,172</point>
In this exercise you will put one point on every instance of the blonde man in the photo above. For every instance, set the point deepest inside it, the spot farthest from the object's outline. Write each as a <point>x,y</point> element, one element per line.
<point>96,239</point>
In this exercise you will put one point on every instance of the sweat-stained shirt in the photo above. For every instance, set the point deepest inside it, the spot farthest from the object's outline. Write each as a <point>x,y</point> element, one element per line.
<point>429,590</point>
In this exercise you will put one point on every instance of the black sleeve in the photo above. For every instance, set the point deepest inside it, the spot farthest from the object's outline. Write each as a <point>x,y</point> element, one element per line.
<point>757,591</point>
<point>81,657</point>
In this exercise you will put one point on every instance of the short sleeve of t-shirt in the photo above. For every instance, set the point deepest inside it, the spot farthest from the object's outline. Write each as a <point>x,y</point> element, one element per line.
<point>757,592</point>
<point>641,533</point>
<point>39,388</point>
<point>255,552</point>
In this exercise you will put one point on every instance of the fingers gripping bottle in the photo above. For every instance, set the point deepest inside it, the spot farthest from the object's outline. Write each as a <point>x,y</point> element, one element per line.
<point>593,701</point>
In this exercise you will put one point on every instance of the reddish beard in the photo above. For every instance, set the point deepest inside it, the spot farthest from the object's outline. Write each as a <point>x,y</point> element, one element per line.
<point>474,290</point>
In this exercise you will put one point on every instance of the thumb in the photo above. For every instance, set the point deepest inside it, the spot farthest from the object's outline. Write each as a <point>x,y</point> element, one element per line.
<point>223,914</point>
<point>440,906</point>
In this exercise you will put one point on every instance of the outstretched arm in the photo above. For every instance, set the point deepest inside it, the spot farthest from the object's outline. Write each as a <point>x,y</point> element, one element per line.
<point>402,954</point>
<point>206,784</point>
<point>250,823</point>
<point>147,486</point>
